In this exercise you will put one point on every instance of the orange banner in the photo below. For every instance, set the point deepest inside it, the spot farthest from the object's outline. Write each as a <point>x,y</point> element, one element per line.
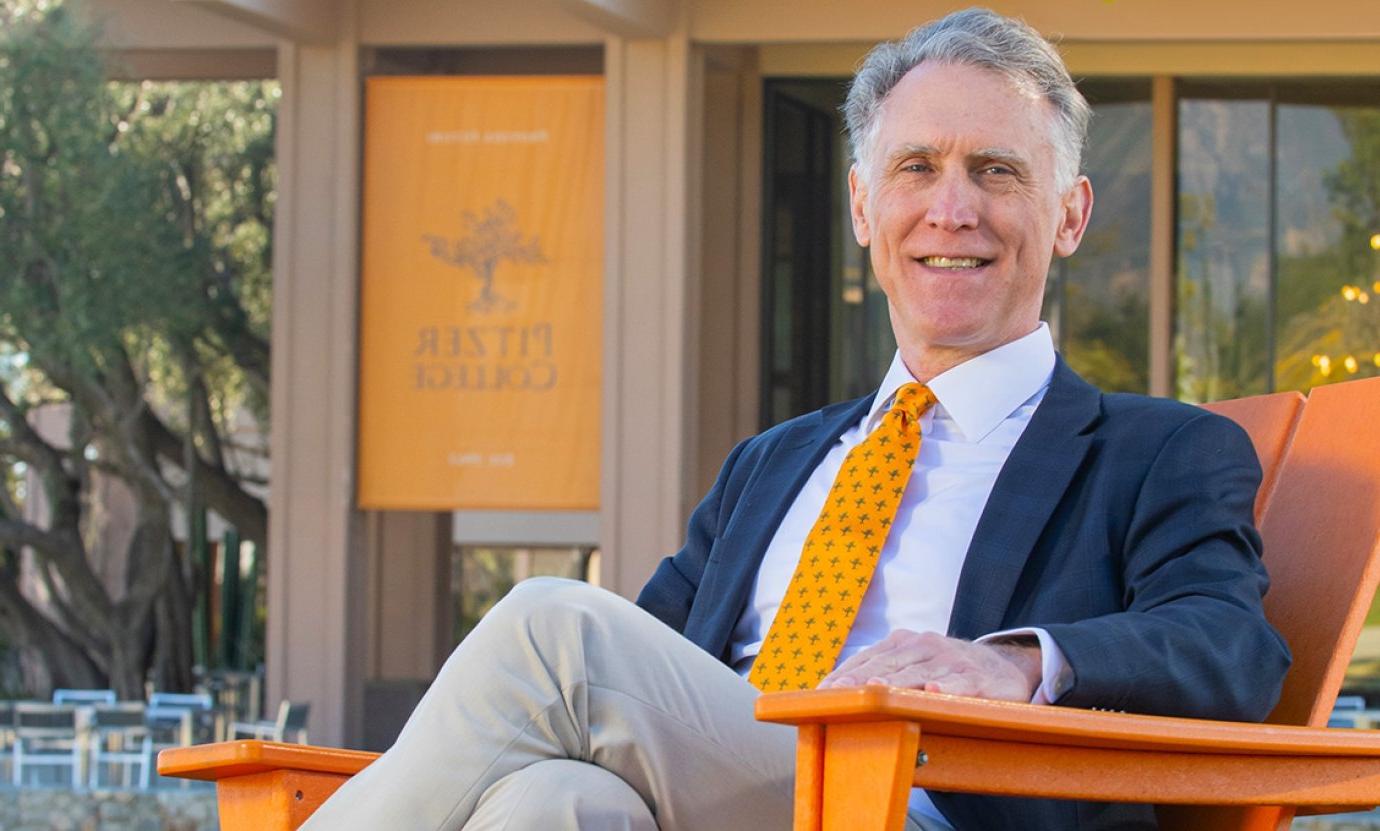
<point>481,295</point>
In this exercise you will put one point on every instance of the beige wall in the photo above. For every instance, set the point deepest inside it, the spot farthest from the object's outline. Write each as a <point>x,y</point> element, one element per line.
<point>784,21</point>
<point>316,571</point>
<point>356,598</point>
<point>472,22</point>
<point>166,24</point>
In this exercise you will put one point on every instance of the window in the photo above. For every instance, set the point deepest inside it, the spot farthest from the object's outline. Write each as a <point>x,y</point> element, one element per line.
<point>1097,301</point>
<point>480,575</point>
<point>1279,207</point>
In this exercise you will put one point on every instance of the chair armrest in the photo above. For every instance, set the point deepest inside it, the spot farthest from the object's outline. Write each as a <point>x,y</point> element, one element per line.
<point>1013,749</point>
<point>265,786</point>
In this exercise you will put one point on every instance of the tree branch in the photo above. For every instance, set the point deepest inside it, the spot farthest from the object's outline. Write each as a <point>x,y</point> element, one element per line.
<point>218,487</point>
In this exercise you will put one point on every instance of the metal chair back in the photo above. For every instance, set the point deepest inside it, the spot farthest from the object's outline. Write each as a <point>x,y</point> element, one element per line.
<point>66,696</point>
<point>120,739</point>
<point>46,736</point>
<point>191,701</point>
<point>292,721</point>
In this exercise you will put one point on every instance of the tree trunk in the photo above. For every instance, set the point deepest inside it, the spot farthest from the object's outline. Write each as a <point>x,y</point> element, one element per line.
<point>44,644</point>
<point>173,657</point>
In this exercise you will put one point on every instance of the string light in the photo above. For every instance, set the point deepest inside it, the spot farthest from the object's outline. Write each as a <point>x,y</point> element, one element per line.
<point>1375,242</point>
<point>1350,364</point>
<point>1324,365</point>
<point>1349,292</point>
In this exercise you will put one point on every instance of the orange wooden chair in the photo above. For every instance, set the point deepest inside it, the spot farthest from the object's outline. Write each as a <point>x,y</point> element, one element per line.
<point>1319,506</point>
<point>1319,513</point>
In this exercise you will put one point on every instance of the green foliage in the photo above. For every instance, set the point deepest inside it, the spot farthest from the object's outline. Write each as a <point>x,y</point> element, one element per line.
<point>135,285</point>
<point>142,211</point>
<point>1326,304</point>
<point>1329,303</point>
<point>481,576</point>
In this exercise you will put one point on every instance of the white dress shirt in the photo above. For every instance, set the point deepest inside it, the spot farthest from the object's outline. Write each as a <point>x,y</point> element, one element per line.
<point>984,405</point>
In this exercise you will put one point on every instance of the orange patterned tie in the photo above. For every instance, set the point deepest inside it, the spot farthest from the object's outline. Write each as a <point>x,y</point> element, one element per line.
<point>842,550</point>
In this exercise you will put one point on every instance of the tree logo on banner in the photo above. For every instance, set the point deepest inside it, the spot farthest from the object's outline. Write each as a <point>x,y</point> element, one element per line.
<point>488,240</point>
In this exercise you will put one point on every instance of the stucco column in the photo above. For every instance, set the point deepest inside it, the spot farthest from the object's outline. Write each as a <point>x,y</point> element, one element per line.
<point>315,573</point>
<point>650,319</point>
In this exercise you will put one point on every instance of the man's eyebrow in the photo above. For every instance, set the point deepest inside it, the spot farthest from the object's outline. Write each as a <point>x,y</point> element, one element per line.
<point>1000,154</point>
<point>907,151</point>
<point>995,154</point>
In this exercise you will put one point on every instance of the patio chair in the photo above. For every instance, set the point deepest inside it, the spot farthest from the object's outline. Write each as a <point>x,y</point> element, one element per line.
<point>1319,510</point>
<point>237,693</point>
<point>1320,517</point>
<point>45,736</point>
<point>64,696</point>
<point>6,739</point>
<point>119,737</point>
<point>291,722</point>
<point>180,718</point>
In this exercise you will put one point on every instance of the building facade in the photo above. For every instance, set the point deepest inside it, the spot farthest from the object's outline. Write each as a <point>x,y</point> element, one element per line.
<point>1236,155</point>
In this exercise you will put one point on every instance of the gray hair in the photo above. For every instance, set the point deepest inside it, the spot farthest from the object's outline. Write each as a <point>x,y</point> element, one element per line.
<point>981,38</point>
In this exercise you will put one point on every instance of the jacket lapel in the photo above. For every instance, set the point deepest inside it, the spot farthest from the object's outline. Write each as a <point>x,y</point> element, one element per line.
<point>771,488</point>
<point>1026,493</point>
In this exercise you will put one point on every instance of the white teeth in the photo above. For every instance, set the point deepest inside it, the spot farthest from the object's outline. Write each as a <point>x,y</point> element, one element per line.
<point>952,262</point>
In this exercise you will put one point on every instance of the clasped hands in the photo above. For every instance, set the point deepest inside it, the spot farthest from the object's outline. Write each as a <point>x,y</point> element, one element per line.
<point>1006,670</point>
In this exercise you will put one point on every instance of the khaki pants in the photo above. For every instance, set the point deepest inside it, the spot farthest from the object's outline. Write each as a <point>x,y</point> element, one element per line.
<point>570,708</point>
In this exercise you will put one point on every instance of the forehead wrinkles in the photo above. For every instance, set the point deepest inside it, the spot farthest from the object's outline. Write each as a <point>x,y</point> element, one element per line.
<point>892,132</point>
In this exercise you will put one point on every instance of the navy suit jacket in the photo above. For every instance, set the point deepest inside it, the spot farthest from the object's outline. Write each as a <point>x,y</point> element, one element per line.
<point>1121,524</point>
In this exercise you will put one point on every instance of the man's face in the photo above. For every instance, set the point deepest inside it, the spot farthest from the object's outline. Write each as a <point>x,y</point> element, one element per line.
<point>961,211</point>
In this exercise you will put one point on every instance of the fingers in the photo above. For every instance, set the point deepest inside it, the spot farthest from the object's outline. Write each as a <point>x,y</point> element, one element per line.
<point>935,663</point>
<point>898,649</point>
<point>968,681</point>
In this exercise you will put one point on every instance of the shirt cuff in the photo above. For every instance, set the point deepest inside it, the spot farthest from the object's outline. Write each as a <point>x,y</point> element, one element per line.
<point>1056,674</point>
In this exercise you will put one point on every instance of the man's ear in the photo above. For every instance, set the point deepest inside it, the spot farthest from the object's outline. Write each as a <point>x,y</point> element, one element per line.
<point>1075,209</point>
<point>857,206</point>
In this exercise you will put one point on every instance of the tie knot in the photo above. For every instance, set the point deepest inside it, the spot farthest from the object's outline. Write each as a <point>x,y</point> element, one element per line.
<point>912,400</point>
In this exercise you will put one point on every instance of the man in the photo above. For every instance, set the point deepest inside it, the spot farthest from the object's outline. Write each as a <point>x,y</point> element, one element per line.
<point>1100,547</point>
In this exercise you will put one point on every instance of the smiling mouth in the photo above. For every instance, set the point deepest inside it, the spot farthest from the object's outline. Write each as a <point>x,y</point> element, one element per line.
<point>954,262</point>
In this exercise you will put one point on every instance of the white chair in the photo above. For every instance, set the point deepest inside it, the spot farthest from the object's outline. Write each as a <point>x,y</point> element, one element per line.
<point>291,721</point>
<point>177,720</point>
<point>180,718</point>
<point>6,738</point>
<point>120,738</point>
<point>46,736</point>
<point>237,694</point>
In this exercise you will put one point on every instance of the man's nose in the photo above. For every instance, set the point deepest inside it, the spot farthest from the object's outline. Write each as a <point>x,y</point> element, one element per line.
<point>953,202</point>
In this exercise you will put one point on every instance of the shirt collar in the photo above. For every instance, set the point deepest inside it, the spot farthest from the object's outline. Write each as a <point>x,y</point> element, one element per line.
<point>981,392</point>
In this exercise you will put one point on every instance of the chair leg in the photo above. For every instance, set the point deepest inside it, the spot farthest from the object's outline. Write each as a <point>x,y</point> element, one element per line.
<point>146,766</point>
<point>809,777</point>
<point>868,771</point>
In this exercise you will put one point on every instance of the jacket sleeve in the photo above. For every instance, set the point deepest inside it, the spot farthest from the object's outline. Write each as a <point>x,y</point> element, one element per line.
<point>1192,639</point>
<point>670,592</point>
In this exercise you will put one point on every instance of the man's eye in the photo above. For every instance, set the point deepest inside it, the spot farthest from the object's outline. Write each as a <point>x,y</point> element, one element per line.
<point>917,167</point>
<point>998,170</point>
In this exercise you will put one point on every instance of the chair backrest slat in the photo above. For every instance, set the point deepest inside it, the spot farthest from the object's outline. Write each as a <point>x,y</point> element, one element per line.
<point>1319,515</point>
<point>293,715</point>
<point>191,701</point>
<point>1322,541</point>
<point>1270,421</point>
<point>42,718</point>
<point>122,716</point>
<point>63,696</point>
